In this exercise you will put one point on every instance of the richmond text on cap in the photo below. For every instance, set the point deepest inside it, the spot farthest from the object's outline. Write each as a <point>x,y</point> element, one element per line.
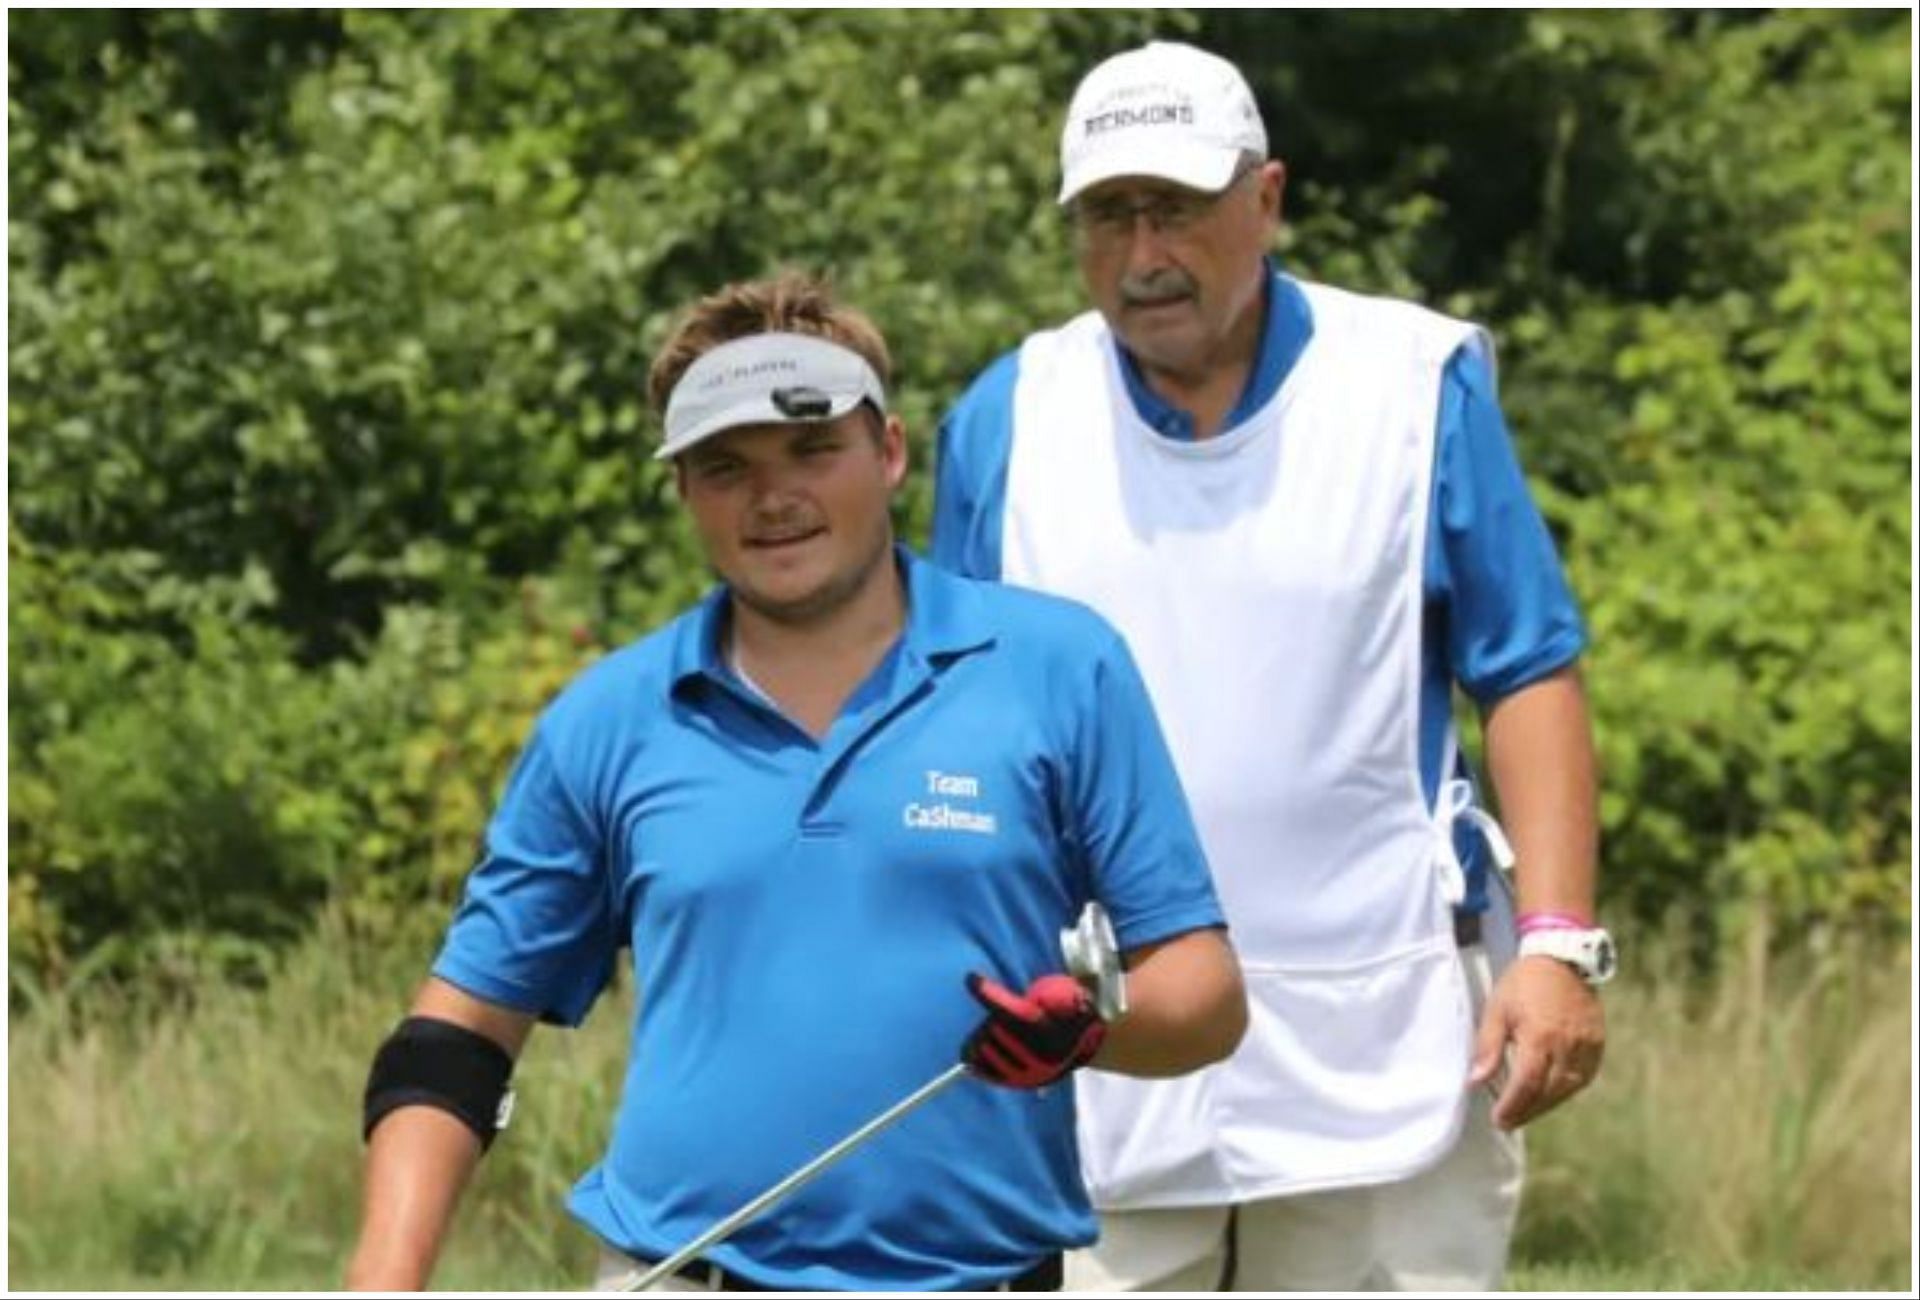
<point>1165,110</point>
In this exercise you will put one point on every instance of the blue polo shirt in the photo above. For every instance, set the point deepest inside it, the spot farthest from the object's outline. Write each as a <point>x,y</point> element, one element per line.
<point>802,915</point>
<point>1498,612</point>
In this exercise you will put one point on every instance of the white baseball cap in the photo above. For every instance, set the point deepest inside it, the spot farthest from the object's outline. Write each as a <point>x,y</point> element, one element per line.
<point>767,379</point>
<point>1165,110</point>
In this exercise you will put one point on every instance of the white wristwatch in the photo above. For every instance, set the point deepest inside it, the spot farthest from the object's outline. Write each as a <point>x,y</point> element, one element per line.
<point>1589,952</point>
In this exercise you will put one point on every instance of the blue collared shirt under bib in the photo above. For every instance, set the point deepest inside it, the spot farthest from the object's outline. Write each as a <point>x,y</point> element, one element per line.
<point>803,913</point>
<point>1499,614</point>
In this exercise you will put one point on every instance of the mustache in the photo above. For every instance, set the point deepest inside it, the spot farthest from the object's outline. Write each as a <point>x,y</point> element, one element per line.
<point>1157,286</point>
<point>781,522</point>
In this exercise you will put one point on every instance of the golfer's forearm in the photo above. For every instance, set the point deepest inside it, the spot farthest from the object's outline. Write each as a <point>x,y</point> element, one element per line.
<point>417,1165</point>
<point>1186,1008</point>
<point>420,1157</point>
<point>1540,755</point>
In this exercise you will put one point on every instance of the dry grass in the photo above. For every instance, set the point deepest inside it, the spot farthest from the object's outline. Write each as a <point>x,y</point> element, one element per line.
<point>1761,1124</point>
<point>219,1148</point>
<point>1753,1132</point>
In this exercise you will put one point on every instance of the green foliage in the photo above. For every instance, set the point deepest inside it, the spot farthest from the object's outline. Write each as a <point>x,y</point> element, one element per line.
<point>192,824</point>
<point>394,348</point>
<point>190,811</point>
<point>458,700</point>
<point>1735,504</point>
<point>1750,673</point>
<point>1690,235</point>
<point>359,365</point>
<point>328,453</point>
<point>359,356</point>
<point>159,793</point>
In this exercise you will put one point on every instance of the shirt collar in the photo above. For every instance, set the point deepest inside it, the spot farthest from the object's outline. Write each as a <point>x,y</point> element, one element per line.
<point>945,620</point>
<point>1286,326</point>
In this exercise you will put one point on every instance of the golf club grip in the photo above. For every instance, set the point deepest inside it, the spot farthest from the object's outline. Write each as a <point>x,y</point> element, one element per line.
<point>794,1181</point>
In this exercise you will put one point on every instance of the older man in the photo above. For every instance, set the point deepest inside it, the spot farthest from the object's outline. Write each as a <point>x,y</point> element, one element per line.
<point>1302,509</point>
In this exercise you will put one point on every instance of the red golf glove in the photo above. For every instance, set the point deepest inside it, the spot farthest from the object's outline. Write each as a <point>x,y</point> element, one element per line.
<point>1031,1039</point>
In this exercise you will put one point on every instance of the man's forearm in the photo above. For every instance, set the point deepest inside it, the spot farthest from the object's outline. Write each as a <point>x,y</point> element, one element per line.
<point>420,1158</point>
<point>1187,1007</point>
<point>418,1163</point>
<point>1540,755</point>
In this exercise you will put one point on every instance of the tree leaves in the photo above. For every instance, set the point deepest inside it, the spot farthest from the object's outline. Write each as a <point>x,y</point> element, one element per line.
<point>328,335</point>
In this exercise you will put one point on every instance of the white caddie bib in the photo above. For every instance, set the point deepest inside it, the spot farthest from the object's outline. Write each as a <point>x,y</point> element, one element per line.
<point>1269,584</point>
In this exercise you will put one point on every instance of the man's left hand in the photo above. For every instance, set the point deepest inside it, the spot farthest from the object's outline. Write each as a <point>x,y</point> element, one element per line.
<point>1032,1039</point>
<point>1546,1021</point>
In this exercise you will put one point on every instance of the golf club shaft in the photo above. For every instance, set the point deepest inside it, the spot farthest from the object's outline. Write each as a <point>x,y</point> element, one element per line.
<point>798,1178</point>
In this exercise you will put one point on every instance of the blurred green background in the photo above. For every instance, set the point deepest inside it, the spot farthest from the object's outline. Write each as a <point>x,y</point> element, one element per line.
<point>328,465</point>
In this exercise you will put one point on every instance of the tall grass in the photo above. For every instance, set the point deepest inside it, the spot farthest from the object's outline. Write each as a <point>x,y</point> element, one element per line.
<point>1752,1131</point>
<point>218,1147</point>
<point>1757,1130</point>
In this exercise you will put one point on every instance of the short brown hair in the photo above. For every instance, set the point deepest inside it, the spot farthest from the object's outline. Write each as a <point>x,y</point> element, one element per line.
<point>789,302</point>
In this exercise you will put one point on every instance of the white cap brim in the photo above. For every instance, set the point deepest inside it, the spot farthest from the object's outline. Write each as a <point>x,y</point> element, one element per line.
<point>1203,169</point>
<point>766,379</point>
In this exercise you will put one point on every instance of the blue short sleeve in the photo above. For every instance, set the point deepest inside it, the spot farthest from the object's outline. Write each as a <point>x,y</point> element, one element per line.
<point>535,930</point>
<point>1130,813</point>
<point>970,481</point>
<point>1510,617</point>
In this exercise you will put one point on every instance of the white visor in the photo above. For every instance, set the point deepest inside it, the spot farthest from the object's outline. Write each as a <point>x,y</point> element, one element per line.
<point>767,379</point>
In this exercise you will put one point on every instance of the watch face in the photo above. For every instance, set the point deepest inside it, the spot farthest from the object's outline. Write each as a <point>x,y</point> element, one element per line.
<point>1590,952</point>
<point>1605,959</point>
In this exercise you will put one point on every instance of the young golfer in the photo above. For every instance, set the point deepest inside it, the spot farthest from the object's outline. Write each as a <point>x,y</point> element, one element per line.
<point>840,812</point>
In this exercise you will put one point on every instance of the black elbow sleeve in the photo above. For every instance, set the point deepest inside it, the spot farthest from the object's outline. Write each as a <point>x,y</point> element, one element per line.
<point>427,1062</point>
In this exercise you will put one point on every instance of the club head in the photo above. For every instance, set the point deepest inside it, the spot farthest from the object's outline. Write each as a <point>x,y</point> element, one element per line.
<point>1092,955</point>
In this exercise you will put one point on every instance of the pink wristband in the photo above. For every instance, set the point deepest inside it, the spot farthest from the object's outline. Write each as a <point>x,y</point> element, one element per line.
<point>1532,922</point>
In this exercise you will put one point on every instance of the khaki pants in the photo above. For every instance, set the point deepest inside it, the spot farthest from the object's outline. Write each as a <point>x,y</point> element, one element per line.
<point>617,1272</point>
<point>1445,1229</point>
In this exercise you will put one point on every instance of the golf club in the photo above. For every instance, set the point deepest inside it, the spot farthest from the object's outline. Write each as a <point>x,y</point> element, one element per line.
<point>1092,956</point>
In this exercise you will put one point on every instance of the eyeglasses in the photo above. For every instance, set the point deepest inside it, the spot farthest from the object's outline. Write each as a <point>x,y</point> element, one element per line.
<point>1171,212</point>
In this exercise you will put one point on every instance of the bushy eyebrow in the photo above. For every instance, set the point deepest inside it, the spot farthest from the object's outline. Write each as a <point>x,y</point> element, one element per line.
<point>706,458</point>
<point>1144,191</point>
<point>812,432</point>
